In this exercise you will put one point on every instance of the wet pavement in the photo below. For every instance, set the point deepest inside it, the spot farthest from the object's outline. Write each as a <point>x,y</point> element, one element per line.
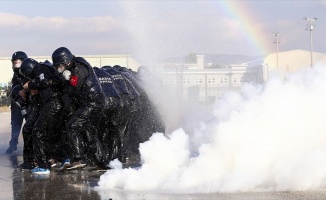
<point>17,184</point>
<point>80,184</point>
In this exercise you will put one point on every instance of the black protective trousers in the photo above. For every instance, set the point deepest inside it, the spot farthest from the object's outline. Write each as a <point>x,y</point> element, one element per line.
<point>16,123</point>
<point>112,129</point>
<point>45,135</point>
<point>82,131</point>
<point>144,121</point>
<point>33,113</point>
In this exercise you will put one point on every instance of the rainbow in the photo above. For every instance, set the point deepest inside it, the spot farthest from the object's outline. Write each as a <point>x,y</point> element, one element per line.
<point>258,38</point>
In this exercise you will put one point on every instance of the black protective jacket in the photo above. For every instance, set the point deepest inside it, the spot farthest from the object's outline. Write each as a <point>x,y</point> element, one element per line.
<point>85,86</point>
<point>45,137</point>
<point>47,81</point>
<point>16,83</point>
<point>107,82</point>
<point>118,80</point>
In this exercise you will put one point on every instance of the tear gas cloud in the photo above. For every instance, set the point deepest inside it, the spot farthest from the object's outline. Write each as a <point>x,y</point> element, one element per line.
<point>264,138</point>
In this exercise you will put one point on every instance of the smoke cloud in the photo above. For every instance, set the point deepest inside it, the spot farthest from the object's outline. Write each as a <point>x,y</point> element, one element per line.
<point>264,138</point>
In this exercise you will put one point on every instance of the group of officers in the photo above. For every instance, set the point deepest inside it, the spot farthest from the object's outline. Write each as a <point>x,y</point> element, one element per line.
<point>77,114</point>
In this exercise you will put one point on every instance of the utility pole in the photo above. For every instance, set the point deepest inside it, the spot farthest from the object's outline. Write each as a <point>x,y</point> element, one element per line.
<point>310,27</point>
<point>276,42</point>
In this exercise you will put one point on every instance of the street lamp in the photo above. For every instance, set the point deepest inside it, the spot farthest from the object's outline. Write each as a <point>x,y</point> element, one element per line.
<point>276,42</point>
<point>310,27</point>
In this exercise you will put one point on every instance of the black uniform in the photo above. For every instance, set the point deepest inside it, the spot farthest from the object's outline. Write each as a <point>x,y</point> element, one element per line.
<point>112,129</point>
<point>82,125</point>
<point>45,136</point>
<point>130,122</point>
<point>18,103</point>
<point>34,107</point>
<point>144,120</point>
<point>18,108</point>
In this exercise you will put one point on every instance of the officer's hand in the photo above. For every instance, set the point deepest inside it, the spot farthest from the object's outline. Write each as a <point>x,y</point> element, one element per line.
<point>34,92</point>
<point>22,93</point>
<point>25,86</point>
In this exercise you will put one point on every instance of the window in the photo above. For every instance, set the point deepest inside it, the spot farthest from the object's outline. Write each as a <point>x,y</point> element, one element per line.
<point>199,81</point>
<point>186,80</point>
<point>211,80</point>
<point>224,80</point>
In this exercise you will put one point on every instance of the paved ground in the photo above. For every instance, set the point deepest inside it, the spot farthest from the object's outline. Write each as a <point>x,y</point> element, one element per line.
<point>79,184</point>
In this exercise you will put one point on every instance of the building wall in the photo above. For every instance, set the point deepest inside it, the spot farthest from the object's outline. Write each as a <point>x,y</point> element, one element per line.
<point>291,61</point>
<point>204,86</point>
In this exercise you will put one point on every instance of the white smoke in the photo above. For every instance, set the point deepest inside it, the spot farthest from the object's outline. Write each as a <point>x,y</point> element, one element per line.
<point>267,138</point>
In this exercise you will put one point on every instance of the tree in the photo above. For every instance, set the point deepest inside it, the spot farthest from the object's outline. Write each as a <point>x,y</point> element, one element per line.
<point>191,58</point>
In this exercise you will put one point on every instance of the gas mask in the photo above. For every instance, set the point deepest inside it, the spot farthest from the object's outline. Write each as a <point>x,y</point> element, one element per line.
<point>16,70</point>
<point>16,65</point>
<point>60,70</point>
<point>62,67</point>
<point>63,70</point>
<point>66,74</point>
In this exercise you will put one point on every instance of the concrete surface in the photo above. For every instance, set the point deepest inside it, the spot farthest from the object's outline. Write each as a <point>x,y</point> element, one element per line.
<point>79,184</point>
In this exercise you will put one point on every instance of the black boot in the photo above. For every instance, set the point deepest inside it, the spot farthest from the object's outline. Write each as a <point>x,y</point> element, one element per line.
<point>11,149</point>
<point>28,166</point>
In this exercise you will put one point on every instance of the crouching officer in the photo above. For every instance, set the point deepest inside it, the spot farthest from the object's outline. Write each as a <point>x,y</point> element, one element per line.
<point>34,107</point>
<point>44,78</point>
<point>82,125</point>
<point>18,106</point>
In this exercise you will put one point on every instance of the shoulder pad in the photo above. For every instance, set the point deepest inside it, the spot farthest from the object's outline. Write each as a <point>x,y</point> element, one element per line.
<point>47,63</point>
<point>82,60</point>
<point>110,70</point>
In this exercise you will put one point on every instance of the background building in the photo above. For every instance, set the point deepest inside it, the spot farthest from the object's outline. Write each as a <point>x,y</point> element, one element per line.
<point>203,83</point>
<point>291,61</point>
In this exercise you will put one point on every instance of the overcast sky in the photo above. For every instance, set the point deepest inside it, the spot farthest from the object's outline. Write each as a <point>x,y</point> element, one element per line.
<point>158,28</point>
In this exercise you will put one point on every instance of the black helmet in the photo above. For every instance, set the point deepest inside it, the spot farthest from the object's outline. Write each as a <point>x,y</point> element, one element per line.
<point>117,67</point>
<point>19,55</point>
<point>143,71</point>
<point>26,68</point>
<point>61,55</point>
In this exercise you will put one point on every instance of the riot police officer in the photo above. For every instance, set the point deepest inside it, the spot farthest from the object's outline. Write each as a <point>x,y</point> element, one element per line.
<point>18,106</point>
<point>34,107</point>
<point>82,125</point>
<point>45,79</point>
